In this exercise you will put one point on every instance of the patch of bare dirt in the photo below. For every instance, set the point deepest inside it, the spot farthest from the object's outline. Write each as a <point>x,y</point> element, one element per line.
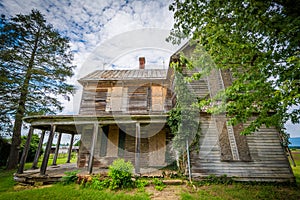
<point>20,187</point>
<point>171,192</point>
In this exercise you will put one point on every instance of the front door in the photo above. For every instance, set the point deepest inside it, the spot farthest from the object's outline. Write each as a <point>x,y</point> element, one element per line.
<point>157,149</point>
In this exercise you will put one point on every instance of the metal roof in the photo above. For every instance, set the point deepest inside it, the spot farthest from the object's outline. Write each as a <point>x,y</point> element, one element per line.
<point>133,74</point>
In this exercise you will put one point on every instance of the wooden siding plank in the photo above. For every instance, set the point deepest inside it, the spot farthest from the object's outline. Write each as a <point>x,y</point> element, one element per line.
<point>113,140</point>
<point>268,160</point>
<point>157,149</point>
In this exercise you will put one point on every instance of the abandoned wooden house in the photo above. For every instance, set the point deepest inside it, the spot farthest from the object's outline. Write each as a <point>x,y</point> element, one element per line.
<point>123,114</point>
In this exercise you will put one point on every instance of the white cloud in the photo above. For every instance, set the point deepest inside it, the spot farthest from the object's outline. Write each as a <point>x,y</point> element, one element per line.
<point>292,129</point>
<point>91,23</point>
<point>94,24</point>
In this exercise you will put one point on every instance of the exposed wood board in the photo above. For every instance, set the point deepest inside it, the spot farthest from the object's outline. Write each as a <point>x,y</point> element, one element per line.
<point>124,75</point>
<point>113,141</point>
<point>157,149</point>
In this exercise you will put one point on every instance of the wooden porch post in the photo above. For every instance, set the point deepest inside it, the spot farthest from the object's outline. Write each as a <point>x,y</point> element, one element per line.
<point>70,148</point>
<point>47,151</point>
<point>57,149</point>
<point>25,151</point>
<point>137,147</point>
<point>92,151</point>
<point>38,151</point>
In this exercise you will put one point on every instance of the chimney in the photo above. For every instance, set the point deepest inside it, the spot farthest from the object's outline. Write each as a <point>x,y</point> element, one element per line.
<point>142,62</point>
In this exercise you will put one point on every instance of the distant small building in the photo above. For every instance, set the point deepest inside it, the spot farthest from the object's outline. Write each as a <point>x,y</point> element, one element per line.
<point>64,149</point>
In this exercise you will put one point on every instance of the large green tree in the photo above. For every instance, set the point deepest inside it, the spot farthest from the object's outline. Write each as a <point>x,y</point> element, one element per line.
<point>35,63</point>
<point>259,42</point>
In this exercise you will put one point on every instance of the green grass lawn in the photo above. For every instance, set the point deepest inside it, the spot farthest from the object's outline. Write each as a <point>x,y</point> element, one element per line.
<point>296,170</point>
<point>244,191</point>
<point>58,191</point>
<point>9,190</point>
<point>250,191</point>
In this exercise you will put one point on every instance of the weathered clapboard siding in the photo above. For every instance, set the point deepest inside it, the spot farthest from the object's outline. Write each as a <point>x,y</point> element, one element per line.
<point>222,150</point>
<point>130,143</point>
<point>84,148</point>
<point>135,98</point>
<point>199,88</point>
<point>268,159</point>
<point>108,146</point>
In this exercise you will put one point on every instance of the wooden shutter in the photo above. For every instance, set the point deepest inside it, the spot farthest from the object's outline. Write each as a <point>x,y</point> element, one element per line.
<point>121,144</point>
<point>103,144</point>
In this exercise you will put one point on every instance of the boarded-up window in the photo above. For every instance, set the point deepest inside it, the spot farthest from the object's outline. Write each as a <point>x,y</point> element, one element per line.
<point>138,98</point>
<point>226,153</point>
<point>116,99</point>
<point>125,99</point>
<point>158,94</point>
<point>242,144</point>
<point>100,99</point>
<point>147,98</point>
<point>233,145</point>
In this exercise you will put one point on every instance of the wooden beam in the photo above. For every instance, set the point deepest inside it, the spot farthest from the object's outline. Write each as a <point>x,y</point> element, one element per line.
<point>38,151</point>
<point>56,149</point>
<point>47,151</point>
<point>137,148</point>
<point>25,151</point>
<point>92,151</point>
<point>188,160</point>
<point>70,148</point>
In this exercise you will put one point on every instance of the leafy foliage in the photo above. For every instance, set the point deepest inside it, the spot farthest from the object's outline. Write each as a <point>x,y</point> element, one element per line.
<point>140,184</point>
<point>99,182</point>
<point>258,42</point>
<point>95,182</point>
<point>4,151</point>
<point>32,148</point>
<point>31,47</point>
<point>158,184</point>
<point>183,119</point>
<point>70,177</point>
<point>36,62</point>
<point>120,172</point>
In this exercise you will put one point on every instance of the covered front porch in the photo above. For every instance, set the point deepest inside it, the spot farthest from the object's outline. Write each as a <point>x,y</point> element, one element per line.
<point>56,172</point>
<point>144,146</point>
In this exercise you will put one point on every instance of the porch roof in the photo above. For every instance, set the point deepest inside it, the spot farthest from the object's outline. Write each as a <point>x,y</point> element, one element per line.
<point>70,123</point>
<point>132,74</point>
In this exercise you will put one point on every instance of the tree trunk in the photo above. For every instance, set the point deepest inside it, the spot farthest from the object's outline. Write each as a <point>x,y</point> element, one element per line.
<point>13,158</point>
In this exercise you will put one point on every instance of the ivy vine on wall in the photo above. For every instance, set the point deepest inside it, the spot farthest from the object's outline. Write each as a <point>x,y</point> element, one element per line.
<point>183,118</point>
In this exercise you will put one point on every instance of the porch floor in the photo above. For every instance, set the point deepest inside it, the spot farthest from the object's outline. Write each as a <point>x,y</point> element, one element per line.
<point>55,173</point>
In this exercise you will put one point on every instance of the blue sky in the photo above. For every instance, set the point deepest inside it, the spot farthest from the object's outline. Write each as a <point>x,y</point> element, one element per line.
<point>97,26</point>
<point>98,30</point>
<point>105,33</point>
